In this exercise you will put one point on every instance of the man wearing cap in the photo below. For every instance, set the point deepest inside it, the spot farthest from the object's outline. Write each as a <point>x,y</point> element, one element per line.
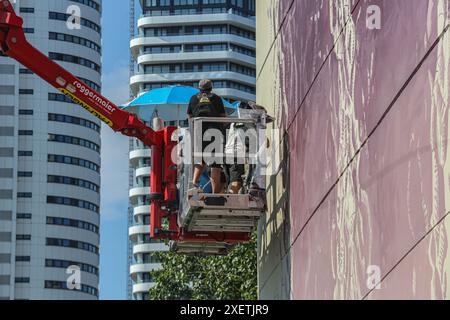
<point>207,104</point>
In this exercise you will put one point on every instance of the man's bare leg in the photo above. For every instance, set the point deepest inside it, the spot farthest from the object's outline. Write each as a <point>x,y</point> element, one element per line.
<point>198,170</point>
<point>216,175</point>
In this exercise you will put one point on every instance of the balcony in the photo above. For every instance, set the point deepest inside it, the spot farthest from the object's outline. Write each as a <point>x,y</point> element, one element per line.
<point>141,210</point>
<point>143,172</point>
<point>138,79</point>
<point>138,191</point>
<point>138,229</point>
<point>135,269</point>
<point>142,287</point>
<point>197,19</point>
<point>202,56</point>
<point>141,41</point>
<point>149,247</point>
<point>138,154</point>
<point>135,231</point>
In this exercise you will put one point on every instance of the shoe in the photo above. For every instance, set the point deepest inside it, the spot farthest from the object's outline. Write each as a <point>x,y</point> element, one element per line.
<point>194,187</point>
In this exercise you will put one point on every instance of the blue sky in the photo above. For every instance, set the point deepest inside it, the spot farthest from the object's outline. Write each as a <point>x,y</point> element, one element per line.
<point>115,80</point>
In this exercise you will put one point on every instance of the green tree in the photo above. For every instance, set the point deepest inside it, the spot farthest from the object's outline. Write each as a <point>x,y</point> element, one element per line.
<point>231,277</point>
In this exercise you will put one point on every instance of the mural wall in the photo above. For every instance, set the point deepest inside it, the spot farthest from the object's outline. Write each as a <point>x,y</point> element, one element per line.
<point>359,182</point>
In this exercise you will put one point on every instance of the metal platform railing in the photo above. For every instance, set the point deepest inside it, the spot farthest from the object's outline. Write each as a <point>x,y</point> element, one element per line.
<point>228,216</point>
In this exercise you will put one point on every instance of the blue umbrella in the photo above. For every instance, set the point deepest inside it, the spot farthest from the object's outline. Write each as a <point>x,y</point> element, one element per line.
<point>173,95</point>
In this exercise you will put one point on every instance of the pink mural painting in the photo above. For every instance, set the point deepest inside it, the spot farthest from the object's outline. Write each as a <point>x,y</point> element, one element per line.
<point>364,102</point>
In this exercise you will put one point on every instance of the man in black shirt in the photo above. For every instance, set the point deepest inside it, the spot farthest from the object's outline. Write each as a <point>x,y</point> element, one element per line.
<point>207,104</point>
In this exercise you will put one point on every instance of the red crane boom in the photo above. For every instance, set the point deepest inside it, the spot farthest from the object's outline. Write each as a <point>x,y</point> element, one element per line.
<point>14,44</point>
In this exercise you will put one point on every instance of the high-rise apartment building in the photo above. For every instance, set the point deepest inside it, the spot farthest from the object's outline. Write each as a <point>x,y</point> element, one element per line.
<point>180,42</point>
<point>50,159</point>
<point>183,41</point>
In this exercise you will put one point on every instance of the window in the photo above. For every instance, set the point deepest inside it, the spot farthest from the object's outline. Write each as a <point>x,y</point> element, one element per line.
<point>242,50</point>
<point>62,285</point>
<point>56,242</point>
<point>162,49</point>
<point>24,195</point>
<point>24,174</point>
<point>207,29</point>
<point>7,90</point>
<point>149,258</point>
<point>25,132</point>
<point>5,215</point>
<point>26,112</point>
<point>163,68</point>
<point>91,84</point>
<point>6,110</point>
<point>213,1</point>
<point>28,30</point>
<point>242,33</point>
<point>25,153</point>
<point>26,91</point>
<point>24,216</point>
<point>5,236</point>
<point>6,173</point>
<point>6,131</point>
<point>22,280</point>
<point>23,237</point>
<point>73,140</point>
<point>251,72</point>
<point>7,69</point>
<point>72,223</point>
<point>53,158</point>
<point>74,39</point>
<point>5,258</point>
<point>206,47</point>
<point>74,182</point>
<point>74,59</point>
<point>23,258</point>
<point>64,264</point>
<point>73,120</point>
<point>184,2</point>
<point>64,201</point>
<point>25,71</point>
<point>6,194</point>
<point>26,10</point>
<point>59,97</point>
<point>217,84</point>
<point>84,22</point>
<point>163,31</point>
<point>6,152</point>
<point>199,67</point>
<point>90,3</point>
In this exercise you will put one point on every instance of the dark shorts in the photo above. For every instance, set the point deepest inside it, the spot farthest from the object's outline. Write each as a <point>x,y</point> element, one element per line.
<point>237,171</point>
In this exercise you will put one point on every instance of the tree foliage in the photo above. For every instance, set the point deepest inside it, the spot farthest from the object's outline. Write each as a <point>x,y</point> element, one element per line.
<point>231,277</point>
